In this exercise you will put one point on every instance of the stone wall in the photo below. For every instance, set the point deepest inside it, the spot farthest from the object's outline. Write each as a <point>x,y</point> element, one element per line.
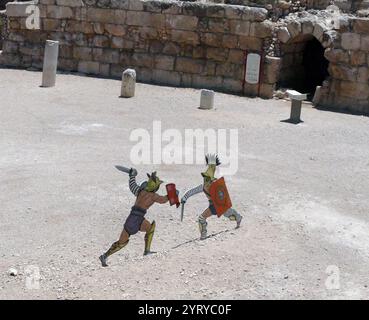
<point>167,42</point>
<point>348,87</point>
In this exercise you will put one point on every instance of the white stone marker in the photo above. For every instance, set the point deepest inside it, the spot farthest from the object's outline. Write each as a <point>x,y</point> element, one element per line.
<point>128,83</point>
<point>50,63</point>
<point>296,103</point>
<point>207,99</point>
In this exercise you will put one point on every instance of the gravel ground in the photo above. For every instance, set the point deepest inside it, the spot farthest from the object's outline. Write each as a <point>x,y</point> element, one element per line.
<point>302,189</point>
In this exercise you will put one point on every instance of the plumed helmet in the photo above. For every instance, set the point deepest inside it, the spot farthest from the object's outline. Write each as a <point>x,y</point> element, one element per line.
<point>212,161</point>
<point>153,184</point>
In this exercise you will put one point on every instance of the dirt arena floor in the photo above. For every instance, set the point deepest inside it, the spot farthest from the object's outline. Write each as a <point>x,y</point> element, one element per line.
<point>302,189</point>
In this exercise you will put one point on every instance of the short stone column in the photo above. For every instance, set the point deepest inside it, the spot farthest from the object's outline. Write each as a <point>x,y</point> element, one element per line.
<point>296,104</point>
<point>317,95</point>
<point>50,63</point>
<point>128,83</point>
<point>207,99</point>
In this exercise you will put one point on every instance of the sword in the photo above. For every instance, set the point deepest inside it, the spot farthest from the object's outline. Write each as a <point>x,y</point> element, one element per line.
<point>124,169</point>
<point>182,211</point>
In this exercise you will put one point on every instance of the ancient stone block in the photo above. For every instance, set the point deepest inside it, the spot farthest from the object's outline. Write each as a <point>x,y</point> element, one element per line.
<point>82,53</point>
<point>336,55</point>
<point>156,46</point>
<point>70,3</point>
<point>181,22</point>
<point>110,56</point>
<point>100,15</point>
<point>115,29</point>
<point>171,48</point>
<point>357,58</point>
<point>342,72</point>
<point>217,54</point>
<point>185,37</point>
<point>271,69</point>
<point>363,74</point>
<point>294,28</point>
<point>266,90</point>
<point>189,65</point>
<point>58,12</point>
<point>218,25</point>
<point>166,77</point>
<point>283,35</point>
<point>261,30</point>
<point>229,41</point>
<point>364,43</point>
<point>100,41</point>
<point>254,14</point>
<point>203,82</point>
<point>16,9</point>
<point>51,24</point>
<point>354,90</point>
<point>89,67</point>
<point>350,41</point>
<point>209,68</point>
<point>229,70</point>
<point>251,89</point>
<point>137,18</point>
<point>361,25</point>
<point>307,27</point>
<point>66,51</point>
<point>47,1</point>
<point>67,64</point>
<point>215,11</point>
<point>235,12</point>
<point>319,29</point>
<point>250,43</point>
<point>236,56</point>
<point>142,60</point>
<point>10,46</point>
<point>98,28</point>
<point>239,27</point>
<point>211,39</point>
<point>104,69</point>
<point>148,33</point>
<point>83,26</point>
<point>164,62</point>
<point>231,85</point>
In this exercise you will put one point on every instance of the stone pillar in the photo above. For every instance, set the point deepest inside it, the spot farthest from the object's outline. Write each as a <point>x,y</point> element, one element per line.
<point>296,104</point>
<point>207,99</point>
<point>128,83</point>
<point>50,63</point>
<point>295,116</point>
<point>317,95</point>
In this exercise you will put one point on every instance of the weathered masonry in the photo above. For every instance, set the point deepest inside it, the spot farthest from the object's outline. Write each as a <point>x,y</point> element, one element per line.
<point>204,45</point>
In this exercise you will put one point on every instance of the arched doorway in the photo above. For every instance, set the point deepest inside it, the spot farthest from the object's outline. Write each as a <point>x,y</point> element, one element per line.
<point>304,66</point>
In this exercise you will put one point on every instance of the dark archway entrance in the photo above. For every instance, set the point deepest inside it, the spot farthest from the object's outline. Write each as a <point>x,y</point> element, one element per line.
<point>304,66</point>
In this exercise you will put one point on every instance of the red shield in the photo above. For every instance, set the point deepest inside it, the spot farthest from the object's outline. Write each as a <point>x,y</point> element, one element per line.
<point>220,196</point>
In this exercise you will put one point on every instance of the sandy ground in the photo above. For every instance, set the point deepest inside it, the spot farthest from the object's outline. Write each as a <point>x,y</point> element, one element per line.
<point>303,191</point>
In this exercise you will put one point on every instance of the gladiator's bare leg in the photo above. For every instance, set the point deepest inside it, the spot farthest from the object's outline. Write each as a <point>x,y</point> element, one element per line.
<point>149,228</point>
<point>116,246</point>
<point>203,224</point>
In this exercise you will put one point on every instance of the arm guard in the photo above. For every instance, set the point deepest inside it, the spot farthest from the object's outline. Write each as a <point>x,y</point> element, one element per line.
<point>192,192</point>
<point>133,186</point>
